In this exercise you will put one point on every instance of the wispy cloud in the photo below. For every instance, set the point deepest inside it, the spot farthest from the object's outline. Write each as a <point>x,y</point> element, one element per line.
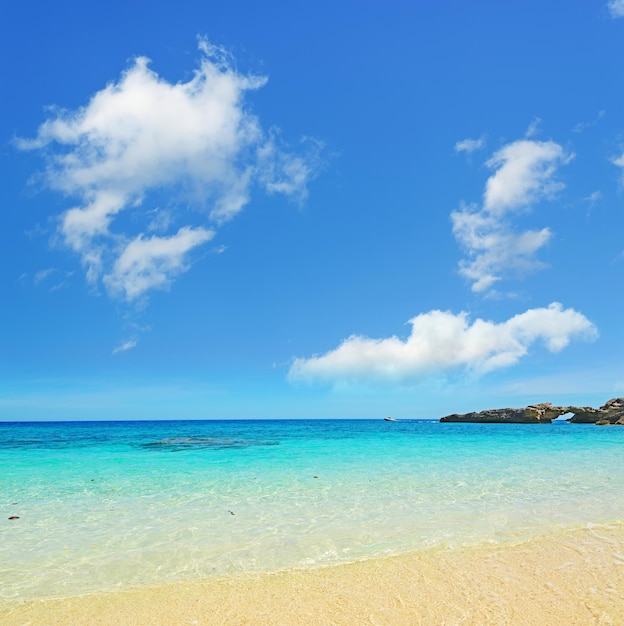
<point>470,145</point>
<point>42,275</point>
<point>619,161</point>
<point>616,7</point>
<point>581,126</point>
<point>534,127</point>
<point>127,345</point>
<point>45,276</point>
<point>494,248</point>
<point>524,174</point>
<point>140,136</point>
<point>593,198</point>
<point>152,263</point>
<point>441,341</point>
<point>160,220</point>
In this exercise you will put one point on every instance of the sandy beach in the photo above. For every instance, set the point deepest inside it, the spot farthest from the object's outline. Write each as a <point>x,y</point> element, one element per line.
<point>565,578</point>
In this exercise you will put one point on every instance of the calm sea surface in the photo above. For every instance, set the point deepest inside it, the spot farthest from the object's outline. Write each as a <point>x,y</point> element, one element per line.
<point>103,505</point>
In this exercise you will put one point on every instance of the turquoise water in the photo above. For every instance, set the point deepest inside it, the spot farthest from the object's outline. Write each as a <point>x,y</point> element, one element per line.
<point>103,505</point>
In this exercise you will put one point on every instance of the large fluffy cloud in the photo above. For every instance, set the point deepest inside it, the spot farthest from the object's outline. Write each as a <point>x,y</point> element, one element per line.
<point>524,174</point>
<point>441,341</point>
<point>141,135</point>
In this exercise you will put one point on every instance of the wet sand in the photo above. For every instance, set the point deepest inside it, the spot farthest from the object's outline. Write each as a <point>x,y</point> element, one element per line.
<point>570,578</point>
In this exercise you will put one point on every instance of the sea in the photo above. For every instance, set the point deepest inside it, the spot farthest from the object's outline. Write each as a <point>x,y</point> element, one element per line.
<point>97,506</point>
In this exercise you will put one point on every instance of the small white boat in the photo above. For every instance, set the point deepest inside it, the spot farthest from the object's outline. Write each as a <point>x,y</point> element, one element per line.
<point>390,419</point>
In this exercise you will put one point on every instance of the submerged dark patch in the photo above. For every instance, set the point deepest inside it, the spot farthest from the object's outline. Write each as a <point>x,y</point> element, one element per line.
<point>213,443</point>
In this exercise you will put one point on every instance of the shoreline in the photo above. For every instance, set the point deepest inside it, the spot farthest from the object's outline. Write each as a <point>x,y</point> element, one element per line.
<point>573,576</point>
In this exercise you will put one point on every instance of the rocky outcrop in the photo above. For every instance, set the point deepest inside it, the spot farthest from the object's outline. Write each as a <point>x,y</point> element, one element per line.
<point>542,413</point>
<point>610,413</point>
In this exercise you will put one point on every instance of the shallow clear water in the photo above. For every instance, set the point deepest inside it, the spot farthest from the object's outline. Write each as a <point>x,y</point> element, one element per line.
<point>109,504</point>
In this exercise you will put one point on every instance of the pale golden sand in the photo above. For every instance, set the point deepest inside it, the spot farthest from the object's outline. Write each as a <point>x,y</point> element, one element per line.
<point>566,578</point>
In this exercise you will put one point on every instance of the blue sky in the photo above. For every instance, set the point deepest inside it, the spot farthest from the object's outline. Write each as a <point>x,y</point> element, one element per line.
<point>311,209</point>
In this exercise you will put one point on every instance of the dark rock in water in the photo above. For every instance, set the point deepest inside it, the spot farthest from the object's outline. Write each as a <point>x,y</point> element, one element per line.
<point>542,413</point>
<point>14,517</point>
<point>610,413</point>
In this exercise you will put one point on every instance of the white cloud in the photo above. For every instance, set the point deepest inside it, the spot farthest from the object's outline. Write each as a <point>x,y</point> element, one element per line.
<point>196,141</point>
<point>281,172</point>
<point>493,247</point>
<point>524,174</point>
<point>593,198</point>
<point>617,8</point>
<point>469,145</point>
<point>51,274</point>
<point>619,161</point>
<point>42,275</point>
<point>534,127</point>
<point>152,263</point>
<point>160,220</point>
<point>127,345</point>
<point>581,126</point>
<point>441,341</point>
